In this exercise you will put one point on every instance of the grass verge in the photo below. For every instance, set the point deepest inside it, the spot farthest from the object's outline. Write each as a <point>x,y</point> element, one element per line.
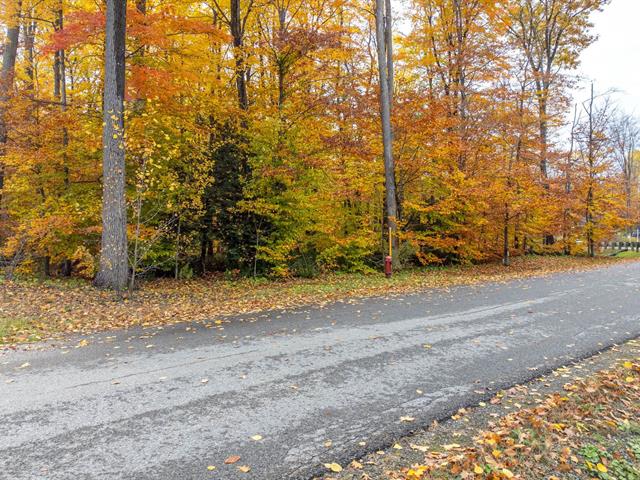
<point>54,307</point>
<point>628,254</point>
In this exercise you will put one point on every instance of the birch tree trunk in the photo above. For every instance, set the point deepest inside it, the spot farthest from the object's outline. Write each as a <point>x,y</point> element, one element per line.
<point>114,267</point>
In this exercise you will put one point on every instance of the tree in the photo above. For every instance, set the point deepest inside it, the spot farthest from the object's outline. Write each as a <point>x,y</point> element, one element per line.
<point>600,190</point>
<point>385,75</point>
<point>625,133</point>
<point>114,265</point>
<point>253,137</point>
<point>10,50</point>
<point>551,34</point>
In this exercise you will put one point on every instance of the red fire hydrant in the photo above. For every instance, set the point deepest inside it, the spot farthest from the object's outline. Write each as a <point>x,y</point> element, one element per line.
<point>387,266</point>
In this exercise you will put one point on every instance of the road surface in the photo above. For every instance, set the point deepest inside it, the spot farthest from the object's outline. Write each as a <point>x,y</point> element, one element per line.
<point>313,383</point>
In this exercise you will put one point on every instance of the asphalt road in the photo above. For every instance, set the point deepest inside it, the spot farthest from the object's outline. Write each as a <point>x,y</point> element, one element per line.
<point>165,404</point>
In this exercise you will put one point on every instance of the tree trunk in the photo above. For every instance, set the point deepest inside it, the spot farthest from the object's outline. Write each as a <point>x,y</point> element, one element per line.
<point>237,32</point>
<point>6,83</point>
<point>114,269</point>
<point>383,29</point>
<point>506,257</point>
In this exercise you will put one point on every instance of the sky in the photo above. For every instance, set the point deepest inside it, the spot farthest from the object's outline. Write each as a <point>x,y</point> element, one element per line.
<point>613,61</point>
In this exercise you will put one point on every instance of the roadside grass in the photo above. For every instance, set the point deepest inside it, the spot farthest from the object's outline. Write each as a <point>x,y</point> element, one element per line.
<point>588,428</point>
<point>12,327</point>
<point>628,254</point>
<point>53,307</point>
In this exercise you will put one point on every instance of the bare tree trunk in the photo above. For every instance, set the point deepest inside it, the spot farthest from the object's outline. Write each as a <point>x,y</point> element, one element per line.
<point>114,269</point>
<point>388,43</point>
<point>383,32</point>
<point>506,257</point>
<point>177,254</point>
<point>9,55</point>
<point>60,93</point>
<point>237,32</point>
<point>591,163</point>
<point>566,228</point>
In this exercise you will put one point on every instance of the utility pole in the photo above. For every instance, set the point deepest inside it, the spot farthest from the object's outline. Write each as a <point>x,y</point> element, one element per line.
<point>385,71</point>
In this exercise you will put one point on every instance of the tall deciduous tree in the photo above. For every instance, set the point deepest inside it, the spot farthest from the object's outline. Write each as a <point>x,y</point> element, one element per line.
<point>114,265</point>
<point>10,50</point>
<point>385,75</point>
<point>551,34</point>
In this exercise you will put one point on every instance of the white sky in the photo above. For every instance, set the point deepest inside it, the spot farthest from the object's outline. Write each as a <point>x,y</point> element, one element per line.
<point>613,61</point>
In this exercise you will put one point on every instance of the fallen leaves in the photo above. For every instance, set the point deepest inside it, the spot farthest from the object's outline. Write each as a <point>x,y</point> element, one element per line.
<point>334,467</point>
<point>451,446</point>
<point>577,435</point>
<point>65,307</point>
<point>232,459</point>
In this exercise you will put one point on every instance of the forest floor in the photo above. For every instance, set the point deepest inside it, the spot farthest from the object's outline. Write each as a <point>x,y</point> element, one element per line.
<point>580,422</point>
<point>32,310</point>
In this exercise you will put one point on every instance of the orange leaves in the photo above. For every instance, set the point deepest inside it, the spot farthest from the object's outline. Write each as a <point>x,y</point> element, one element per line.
<point>150,29</point>
<point>158,27</point>
<point>80,27</point>
<point>150,82</point>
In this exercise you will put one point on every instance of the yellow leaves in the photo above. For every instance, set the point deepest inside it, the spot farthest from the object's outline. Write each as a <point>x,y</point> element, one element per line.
<point>416,472</point>
<point>601,468</point>
<point>244,468</point>
<point>496,453</point>
<point>256,438</point>
<point>211,468</point>
<point>420,448</point>
<point>477,469</point>
<point>334,467</point>
<point>627,364</point>
<point>506,473</point>
<point>451,446</point>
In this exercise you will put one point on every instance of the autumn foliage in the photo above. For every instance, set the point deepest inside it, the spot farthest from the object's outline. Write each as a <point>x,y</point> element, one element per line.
<point>253,142</point>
